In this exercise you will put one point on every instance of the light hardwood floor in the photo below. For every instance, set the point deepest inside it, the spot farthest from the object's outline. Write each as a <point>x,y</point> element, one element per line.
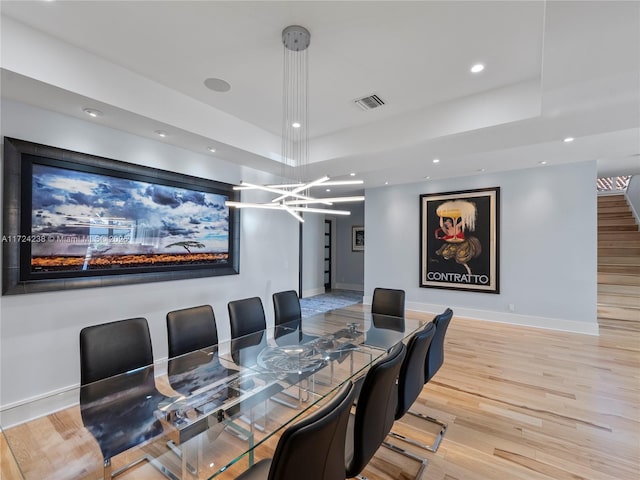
<point>522,404</point>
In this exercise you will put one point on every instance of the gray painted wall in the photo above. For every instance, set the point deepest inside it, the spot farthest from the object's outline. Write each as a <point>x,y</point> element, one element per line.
<point>548,247</point>
<point>313,255</point>
<point>349,265</point>
<point>39,349</point>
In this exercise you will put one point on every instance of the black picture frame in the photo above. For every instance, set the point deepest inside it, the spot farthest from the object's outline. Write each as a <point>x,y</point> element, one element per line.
<point>40,247</point>
<point>357,238</point>
<point>460,240</point>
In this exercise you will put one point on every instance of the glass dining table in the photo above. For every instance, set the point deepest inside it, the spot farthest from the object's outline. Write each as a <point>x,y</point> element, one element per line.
<point>197,415</point>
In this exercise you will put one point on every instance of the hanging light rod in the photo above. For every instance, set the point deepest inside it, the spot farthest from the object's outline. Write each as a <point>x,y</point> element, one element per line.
<point>322,200</point>
<point>251,186</point>
<point>287,208</point>
<point>296,190</point>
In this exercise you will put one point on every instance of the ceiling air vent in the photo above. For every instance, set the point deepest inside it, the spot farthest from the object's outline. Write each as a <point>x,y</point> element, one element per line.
<point>370,102</point>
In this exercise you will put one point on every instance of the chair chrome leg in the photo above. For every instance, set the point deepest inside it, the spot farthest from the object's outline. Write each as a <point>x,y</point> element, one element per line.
<point>436,443</point>
<point>107,469</point>
<point>412,456</point>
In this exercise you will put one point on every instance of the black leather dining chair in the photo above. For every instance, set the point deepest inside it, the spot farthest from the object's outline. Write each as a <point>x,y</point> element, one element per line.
<point>246,316</point>
<point>248,338</point>
<point>433,362</point>
<point>410,384</point>
<point>248,325</point>
<point>312,448</point>
<point>375,411</point>
<point>118,397</point>
<point>191,329</point>
<point>387,301</point>
<point>287,312</point>
<point>193,355</point>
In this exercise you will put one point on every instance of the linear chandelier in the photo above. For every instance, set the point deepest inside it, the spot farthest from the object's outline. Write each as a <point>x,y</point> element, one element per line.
<point>295,198</point>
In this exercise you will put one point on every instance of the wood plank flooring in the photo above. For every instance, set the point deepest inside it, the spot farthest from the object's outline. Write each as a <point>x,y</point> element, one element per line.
<point>521,403</point>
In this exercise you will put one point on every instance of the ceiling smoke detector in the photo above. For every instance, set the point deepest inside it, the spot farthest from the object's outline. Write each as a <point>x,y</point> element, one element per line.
<point>370,102</point>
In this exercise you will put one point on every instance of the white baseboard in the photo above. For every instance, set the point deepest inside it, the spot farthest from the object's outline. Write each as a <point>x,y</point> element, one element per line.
<point>504,317</point>
<point>510,318</point>
<point>350,286</point>
<point>312,292</point>
<point>37,406</point>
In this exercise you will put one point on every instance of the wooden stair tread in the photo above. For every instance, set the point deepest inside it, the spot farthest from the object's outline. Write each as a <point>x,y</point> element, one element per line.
<point>604,288</point>
<point>633,269</point>
<point>619,260</point>
<point>621,313</point>
<point>618,279</point>
<point>608,222</point>
<point>611,198</point>
<point>620,236</point>
<point>617,251</point>
<point>632,301</point>
<point>617,228</point>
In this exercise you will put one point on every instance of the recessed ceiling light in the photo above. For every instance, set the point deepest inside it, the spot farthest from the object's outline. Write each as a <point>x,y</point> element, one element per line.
<point>481,169</point>
<point>477,68</point>
<point>568,140</point>
<point>295,125</point>
<point>427,177</point>
<point>436,160</point>
<point>328,190</point>
<point>217,85</point>
<point>92,112</point>
<point>352,174</point>
<point>543,162</point>
<point>211,149</point>
<point>161,133</point>
<point>386,183</point>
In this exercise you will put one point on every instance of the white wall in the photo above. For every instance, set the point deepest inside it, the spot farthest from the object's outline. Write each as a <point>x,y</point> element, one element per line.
<point>349,273</point>
<point>39,349</point>
<point>633,196</point>
<point>313,255</point>
<point>548,247</point>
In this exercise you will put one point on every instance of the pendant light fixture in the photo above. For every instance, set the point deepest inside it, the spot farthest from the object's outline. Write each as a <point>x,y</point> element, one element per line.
<point>295,197</point>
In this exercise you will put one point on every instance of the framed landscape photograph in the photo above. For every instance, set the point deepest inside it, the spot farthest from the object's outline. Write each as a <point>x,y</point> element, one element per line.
<point>357,238</point>
<point>459,240</point>
<point>73,220</point>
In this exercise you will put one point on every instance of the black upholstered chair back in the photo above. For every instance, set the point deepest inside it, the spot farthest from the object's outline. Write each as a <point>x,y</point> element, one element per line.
<point>191,329</point>
<point>286,307</point>
<point>375,412</point>
<point>411,378</point>
<point>120,411</point>
<point>246,316</point>
<point>387,301</point>
<point>435,355</point>
<point>114,348</point>
<point>313,448</point>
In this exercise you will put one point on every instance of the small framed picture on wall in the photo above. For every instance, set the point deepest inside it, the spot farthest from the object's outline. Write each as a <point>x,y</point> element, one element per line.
<point>357,238</point>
